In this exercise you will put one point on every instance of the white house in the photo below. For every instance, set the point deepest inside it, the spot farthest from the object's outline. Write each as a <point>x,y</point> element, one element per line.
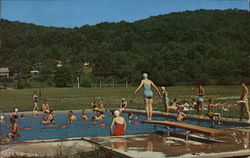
<point>4,72</point>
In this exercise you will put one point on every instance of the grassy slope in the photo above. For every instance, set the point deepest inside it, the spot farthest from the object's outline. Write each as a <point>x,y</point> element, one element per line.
<point>73,98</point>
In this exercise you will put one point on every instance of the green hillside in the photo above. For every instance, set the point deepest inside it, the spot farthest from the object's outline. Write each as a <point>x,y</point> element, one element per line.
<point>204,45</point>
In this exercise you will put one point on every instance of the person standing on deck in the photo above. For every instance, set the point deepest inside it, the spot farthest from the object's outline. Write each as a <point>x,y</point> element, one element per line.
<point>35,100</point>
<point>200,100</point>
<point>244,101</point>
<point>165,99</point>
<point>148,94</point>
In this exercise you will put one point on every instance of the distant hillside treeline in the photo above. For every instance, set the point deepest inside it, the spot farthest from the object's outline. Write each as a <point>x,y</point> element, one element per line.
<point>177,47</point>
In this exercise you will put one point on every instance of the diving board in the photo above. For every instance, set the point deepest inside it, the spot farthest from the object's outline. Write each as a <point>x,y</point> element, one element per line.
<point>189,127</point>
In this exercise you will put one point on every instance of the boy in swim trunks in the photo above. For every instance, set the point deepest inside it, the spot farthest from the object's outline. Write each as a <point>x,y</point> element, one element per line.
<point>200,100</point>
<point>244,101</point>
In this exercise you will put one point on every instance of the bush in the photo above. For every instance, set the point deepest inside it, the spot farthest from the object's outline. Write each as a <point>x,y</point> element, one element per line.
<point>85,81</point>
<point>63,77</point>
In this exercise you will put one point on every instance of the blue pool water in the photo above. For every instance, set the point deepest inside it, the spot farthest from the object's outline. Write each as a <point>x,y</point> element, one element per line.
<point>85,128</point>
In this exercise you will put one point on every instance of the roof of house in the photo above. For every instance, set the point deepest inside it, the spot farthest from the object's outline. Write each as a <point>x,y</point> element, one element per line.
<point>4,69</point>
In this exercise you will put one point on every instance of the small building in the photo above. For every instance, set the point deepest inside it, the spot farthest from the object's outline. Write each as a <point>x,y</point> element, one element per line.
<point>4,72</point>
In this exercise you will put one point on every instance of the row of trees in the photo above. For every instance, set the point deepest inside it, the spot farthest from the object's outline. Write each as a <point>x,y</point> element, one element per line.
<point>178,47</point>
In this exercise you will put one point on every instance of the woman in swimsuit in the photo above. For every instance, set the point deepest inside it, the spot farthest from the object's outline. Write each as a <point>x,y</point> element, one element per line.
<point>148,94</point>
<point>120,125</point>
<point>35,99</point>
<point>165,99</point>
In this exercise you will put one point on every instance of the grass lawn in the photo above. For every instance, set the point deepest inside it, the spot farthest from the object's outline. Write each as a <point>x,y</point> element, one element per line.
<point>74,98</point>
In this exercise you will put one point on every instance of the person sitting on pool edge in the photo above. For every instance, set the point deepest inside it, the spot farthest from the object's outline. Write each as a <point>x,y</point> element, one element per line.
<point>210,112</point>
<point>15,132</point>
<point>120,125</point>
<point>84,116</point>
<point>94,105</point>
<point>2,118</point>
<point>101,105</point>
<point>180,115</point>
<point>71,117</point>
<point>123,105</point>
<point>45,107</point>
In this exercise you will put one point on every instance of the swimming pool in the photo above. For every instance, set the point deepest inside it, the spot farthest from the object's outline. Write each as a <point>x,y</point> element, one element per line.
<point>85,128</point>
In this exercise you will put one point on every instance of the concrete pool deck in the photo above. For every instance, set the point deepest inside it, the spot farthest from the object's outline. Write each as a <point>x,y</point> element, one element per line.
<point>236,143</point>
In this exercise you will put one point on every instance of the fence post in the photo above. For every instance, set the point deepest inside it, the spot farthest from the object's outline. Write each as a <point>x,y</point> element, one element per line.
<point>100,84</point>
<point>126,84</point>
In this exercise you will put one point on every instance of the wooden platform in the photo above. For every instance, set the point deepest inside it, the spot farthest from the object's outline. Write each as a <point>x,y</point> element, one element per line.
<point>189,127</point>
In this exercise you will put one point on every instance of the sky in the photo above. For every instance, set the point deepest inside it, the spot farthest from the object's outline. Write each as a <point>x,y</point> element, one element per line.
<point>76,13</point>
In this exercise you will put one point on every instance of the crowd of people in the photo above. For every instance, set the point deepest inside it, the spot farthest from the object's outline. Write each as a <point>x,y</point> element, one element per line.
<point>119,122</point>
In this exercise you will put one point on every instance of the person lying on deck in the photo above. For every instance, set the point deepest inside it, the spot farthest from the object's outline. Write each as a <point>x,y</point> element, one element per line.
<point>210,112</point>
<point>174,104</point>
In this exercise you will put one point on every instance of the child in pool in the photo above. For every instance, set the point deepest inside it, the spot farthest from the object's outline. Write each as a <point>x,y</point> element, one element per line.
<point>2,118</point>
<point>51,117</point>
<point>180,115</point>
<point>15,132</point>
<point>99,115</point>
<point>71,117</point>
<point>84,116</point>
<point>93,119</point>
<point>45,120</point>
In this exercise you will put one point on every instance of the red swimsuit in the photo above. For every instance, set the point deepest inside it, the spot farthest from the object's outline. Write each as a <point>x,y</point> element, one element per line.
<point>119,130</point>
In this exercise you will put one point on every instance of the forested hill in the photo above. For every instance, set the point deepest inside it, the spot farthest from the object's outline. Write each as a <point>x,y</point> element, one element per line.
<point>185,46</point>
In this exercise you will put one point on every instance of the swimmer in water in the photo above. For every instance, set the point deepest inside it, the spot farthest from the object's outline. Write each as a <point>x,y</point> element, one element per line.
<point>45,120</point>
<point>2,118</point>
<point>148,94</point>
<point>99,115</point>
<point>36,114</point>
<point>15,132</point>
<point>93,119</point>
<point>51,117</point>
<point>180,115</point>
<point>84,116</point>
<point>120,124</point>
<point>71,117</point>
